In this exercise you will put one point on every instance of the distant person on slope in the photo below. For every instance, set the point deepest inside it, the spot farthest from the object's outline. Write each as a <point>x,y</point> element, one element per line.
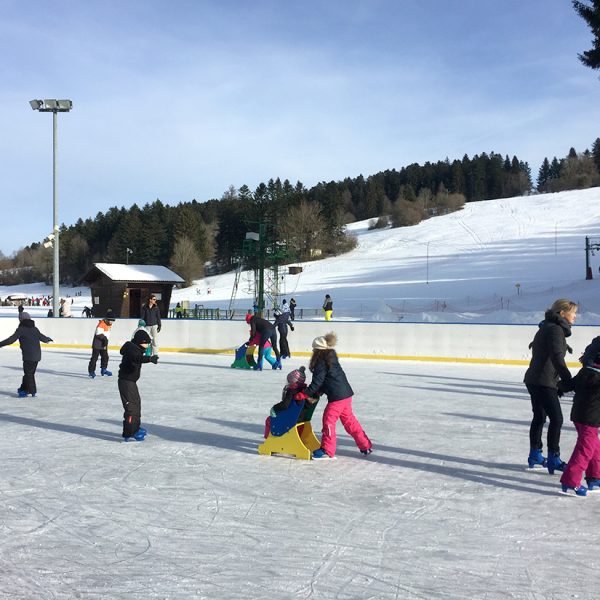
<point>328,307</point>
<point>549,347</point>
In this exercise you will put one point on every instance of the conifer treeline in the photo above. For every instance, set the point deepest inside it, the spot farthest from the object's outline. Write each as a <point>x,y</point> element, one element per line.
<point>188,235</point>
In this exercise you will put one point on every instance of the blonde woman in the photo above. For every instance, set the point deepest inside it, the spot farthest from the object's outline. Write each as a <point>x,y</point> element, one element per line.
<point>547,366</point>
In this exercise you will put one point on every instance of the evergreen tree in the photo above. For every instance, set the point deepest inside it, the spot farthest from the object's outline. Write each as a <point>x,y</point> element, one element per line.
<point>591,15</point>
<point>596,154</point>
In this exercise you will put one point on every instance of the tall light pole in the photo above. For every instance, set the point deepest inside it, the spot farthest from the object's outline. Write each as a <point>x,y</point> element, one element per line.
<point>54,106</point>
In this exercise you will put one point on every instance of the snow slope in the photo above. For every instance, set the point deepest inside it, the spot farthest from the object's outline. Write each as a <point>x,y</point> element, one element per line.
<point>494,261</point>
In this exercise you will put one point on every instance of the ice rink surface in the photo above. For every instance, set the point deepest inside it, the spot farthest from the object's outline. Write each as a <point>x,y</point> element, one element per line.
<point>443,508</point>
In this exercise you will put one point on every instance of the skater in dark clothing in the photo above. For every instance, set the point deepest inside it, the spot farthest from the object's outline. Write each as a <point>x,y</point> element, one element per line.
<point>282,322</point>
<point>585,415</point>
<point>100,346</point>
<point>293,309</point>
<point>267,331</point>
<point>29,337</point>
<point>129,372</point>
<point>549,347</point>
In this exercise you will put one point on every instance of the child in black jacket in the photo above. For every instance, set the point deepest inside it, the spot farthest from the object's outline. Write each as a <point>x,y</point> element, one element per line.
<point>29,337</point>
<point>129,372</point>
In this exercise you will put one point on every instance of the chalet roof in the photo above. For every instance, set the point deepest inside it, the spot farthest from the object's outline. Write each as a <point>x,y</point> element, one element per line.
<point>141,273</point>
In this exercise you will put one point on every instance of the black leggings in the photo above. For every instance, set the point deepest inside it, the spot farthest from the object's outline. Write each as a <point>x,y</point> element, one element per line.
<point>545,402</point>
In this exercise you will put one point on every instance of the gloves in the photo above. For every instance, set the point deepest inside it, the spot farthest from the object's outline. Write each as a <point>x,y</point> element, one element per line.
<point>50,340</point>
<point>158,329</point>
<point>300,396</point>
<point>569,349</point>
<point>291,327</point>
<point>154,359</point>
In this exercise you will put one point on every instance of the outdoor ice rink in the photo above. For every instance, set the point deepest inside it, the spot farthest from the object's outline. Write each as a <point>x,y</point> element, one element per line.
<point>443,508</point>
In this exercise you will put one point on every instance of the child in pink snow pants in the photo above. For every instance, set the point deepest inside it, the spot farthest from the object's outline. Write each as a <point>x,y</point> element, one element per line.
<point>585,415</point>
<point>329,378</point>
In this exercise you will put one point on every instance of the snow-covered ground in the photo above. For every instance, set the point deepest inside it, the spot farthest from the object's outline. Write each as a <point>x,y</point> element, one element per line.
<point>499,261</point>
<point>443,508</point>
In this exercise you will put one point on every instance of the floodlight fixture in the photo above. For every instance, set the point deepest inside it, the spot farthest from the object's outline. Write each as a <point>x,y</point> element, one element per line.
<point>64,105</point>
<point>36,104</point>
<point>51,104</point>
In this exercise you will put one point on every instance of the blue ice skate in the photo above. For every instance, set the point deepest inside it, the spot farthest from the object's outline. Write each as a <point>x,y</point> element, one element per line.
<point>573,491</point>
<point>320,454</point>
<point>92,374</point>
<point>555,463</point>
<point>593,485</point>
<point>106,372</point>
<point>259,365</point>
<point>276,365</point>
<point>536,460</point>
<point>22,393</point>
<point>138,436</point>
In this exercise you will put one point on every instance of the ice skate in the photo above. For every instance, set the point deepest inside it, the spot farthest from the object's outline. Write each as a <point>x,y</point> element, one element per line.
<point>554,463</point>
<point>106,372</point>
<point>320,454</point>
<point>536,460</point>
<point>573,491</point>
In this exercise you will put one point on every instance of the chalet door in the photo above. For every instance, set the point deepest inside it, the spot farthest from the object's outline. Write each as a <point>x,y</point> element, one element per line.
<point>135,303</point>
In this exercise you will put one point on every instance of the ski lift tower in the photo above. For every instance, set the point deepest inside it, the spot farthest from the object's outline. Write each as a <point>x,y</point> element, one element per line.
<point>264,254</point>
<point>592,245</point>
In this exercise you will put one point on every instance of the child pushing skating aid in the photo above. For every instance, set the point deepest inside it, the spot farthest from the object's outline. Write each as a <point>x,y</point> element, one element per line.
<point>287,428</point>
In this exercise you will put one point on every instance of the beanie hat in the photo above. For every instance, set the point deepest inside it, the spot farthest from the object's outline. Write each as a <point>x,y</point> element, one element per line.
<point>325,342</point>
<point>297,376</point>
<point>141,323</point>
<point>141,337</point>
<point>109,315</point>
<point>24,315</point>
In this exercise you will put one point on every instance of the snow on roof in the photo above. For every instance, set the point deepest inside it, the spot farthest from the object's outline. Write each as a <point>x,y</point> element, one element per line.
<point>156,273</point>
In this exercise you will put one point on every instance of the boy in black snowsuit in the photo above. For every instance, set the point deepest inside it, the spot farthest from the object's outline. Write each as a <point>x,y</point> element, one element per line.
<point>29,337</point>
<point>129,372</point>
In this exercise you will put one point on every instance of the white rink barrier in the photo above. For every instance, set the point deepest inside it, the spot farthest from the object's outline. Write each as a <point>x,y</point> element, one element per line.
<point>445,342</point>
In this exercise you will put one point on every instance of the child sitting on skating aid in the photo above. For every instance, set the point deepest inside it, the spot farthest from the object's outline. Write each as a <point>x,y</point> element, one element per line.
<point>292,392</point>
<point>585,415</point>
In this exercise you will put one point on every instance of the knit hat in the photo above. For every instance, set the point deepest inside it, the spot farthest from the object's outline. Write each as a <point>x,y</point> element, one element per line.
<point>109,315</point>
<point>141,323</point>
<point>24,315</point>
<point>141,337</point>
<point>297,376</point>
<point>325,342</point>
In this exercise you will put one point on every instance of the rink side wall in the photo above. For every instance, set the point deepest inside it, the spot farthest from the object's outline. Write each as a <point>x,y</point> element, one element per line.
<point>443,342</point>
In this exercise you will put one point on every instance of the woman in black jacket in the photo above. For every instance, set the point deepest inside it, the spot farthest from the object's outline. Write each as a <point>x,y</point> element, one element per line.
<point>547,365</point>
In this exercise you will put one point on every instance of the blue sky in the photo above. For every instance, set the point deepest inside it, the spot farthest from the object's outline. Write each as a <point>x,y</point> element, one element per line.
<point>179,100</point>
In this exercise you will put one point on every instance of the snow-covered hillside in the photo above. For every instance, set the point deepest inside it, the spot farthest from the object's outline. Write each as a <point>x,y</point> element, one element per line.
<point>494,261</point>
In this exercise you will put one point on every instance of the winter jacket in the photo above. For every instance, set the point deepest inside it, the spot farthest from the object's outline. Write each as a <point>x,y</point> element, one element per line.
<point>260,325</point>
<point>287,395</point>
<point>549,347</point>
<point>329,381</point>
<point>282,322</point>
<point>131,364</point>
<point>29,337</point>
<point>151,315</point>
<point>586,403</point>
<point>101,335</point>
<point>591,352</point>
<point>328,304</point>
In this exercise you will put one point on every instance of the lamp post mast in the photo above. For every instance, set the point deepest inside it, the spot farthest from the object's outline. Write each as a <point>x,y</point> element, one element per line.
<point>56,261</point>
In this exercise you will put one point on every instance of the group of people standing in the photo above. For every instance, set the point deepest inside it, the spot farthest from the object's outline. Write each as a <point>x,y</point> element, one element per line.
<point>547,379</point>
